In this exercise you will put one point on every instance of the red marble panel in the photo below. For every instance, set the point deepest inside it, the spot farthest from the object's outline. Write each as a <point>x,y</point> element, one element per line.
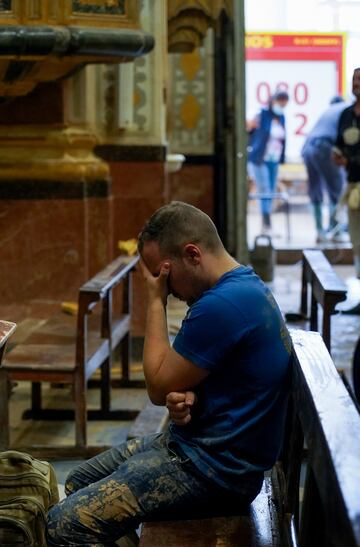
<point>138,179</point>
<point>100,233</point>
<point>193,184</point>
<point>138,190</point>
<point>41,249</point>
<point>48,248</point>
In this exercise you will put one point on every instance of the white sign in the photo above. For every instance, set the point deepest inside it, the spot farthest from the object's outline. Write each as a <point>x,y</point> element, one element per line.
<point>310,85</point>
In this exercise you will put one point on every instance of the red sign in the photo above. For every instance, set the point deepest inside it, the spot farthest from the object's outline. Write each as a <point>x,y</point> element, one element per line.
<point>310,67</point>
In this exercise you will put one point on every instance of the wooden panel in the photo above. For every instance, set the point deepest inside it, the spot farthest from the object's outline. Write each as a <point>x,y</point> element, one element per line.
<point>101,13</point>
<point>6,330</point>
<point>41,357</point>
<point>257,529</point>
<point>330,423</point>
<point>110,276</point>
<point>323,271</point>
<point>10,12</point>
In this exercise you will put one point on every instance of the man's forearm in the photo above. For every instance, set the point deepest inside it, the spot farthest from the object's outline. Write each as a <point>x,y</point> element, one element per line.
<point>156,346</point>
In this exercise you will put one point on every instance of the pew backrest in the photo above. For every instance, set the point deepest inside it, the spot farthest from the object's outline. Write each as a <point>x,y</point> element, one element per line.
<point>327,289</point>
<point>323,415</point>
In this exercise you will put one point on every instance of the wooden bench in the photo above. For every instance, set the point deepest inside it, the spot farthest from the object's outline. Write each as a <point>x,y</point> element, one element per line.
<point>69,350</point>
<point>356,372</point>
<point>326,289</point>
<point>6,330</point>
<point>322,415</point>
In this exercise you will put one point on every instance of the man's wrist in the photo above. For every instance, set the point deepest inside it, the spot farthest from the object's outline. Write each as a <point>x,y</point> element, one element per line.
<point>156,300</point>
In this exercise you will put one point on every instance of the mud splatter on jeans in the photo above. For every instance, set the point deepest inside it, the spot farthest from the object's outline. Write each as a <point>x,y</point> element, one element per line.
<point>142,479</point>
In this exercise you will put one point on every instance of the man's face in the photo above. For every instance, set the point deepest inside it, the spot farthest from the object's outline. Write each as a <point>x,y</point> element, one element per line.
<point>356,84</point>
<point>183,280</point>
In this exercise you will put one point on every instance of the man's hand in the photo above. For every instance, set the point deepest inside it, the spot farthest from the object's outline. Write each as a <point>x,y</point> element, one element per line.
<point>157,286</point>
<point>179,406</point>
<point>339,159</point>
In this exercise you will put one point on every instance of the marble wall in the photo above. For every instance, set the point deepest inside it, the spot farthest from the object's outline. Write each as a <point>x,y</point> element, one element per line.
<point>50,247</point>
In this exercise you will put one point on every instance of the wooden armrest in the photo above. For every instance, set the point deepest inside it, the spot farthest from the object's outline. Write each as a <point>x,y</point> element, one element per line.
<point>110,276</point>
<point>6,330</point>
<point>324,273</point>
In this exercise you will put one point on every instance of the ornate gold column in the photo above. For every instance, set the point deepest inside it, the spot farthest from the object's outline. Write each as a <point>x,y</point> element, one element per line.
<point>43,41</point>
<point>56,223</point>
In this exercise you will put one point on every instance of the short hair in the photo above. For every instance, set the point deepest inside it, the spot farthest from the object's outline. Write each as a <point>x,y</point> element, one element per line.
<point>280,95</point>
<point>178,223</point>
<point>337,99</point>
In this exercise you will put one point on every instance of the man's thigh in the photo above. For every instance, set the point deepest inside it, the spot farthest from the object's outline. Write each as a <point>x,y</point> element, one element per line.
<point>151,484</point>
<point>107,462</point>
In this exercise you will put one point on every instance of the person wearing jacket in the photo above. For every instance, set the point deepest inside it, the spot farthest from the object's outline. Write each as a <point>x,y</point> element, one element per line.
<point>267,150</point>
<point>346,153</point>
<point>323,173</point>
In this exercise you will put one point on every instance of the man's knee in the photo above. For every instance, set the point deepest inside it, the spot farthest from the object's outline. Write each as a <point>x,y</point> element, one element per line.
<point>60,525</point>
<point>102,514</point>
<point>71,483</point>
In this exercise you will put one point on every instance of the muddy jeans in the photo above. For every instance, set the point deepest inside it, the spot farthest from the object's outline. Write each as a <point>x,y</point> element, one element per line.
<point>142,479</point>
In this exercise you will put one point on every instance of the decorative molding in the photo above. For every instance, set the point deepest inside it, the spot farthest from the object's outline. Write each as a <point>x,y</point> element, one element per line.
<point>87,13</point>
<point>108,7</point>
<point>5,5</point>
<point>50,53</point>
<point>123,153</point>
<point>189,21</point>
<point>148,122</point>
<point>46,153</point>
<point>53,189</point>
<point>191,101</point>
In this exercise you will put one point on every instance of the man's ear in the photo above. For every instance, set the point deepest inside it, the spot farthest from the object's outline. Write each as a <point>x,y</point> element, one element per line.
<point>192,252</point>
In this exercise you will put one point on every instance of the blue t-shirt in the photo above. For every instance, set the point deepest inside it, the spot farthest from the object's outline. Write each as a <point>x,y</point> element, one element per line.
<point>236,332</point>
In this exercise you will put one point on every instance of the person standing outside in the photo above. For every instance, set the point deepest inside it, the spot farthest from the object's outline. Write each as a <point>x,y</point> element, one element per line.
<point>346,152</point>
<point>267,150</point>
<point>322,172</point>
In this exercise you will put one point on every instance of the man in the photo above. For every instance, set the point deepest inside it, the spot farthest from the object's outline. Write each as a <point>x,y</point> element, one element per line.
<point>347,153</point>
<point>224,381</point>
<point>322,172</point>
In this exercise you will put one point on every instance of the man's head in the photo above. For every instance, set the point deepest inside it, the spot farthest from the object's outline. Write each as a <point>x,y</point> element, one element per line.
<point>356,83</point>
<point>187,239</point>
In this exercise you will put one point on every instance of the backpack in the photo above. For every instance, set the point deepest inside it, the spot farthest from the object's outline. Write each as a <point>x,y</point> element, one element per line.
<point>28,489</point>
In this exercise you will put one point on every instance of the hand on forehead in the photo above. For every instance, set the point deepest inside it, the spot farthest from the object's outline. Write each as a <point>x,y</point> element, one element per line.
<point>152,257</point>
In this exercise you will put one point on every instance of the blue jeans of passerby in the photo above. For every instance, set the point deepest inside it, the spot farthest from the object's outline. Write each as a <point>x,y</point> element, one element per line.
<point>143,479</point>
<point>265,176</point>
<point>323,173</point>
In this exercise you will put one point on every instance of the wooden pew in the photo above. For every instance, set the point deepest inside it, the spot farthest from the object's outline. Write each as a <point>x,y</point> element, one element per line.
<point>326,289</point>
<point>69,350</point>
<point>356,372</point>
<point>322,415</point>
<point>6,330</point>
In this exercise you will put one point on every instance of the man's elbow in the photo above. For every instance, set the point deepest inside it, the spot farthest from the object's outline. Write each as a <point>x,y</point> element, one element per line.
<point>156,396</point>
